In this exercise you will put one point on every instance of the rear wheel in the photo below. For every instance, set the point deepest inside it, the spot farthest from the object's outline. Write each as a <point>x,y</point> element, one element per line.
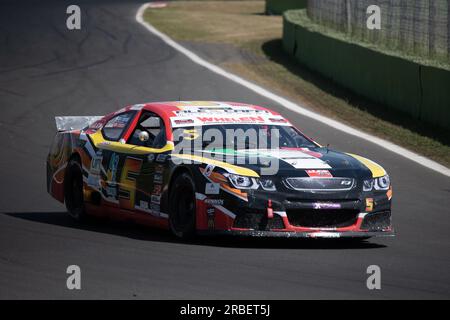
<point>182,207</point>
<point>73,195</point>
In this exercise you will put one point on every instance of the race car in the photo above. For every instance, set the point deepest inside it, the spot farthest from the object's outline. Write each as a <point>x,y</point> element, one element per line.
<point>207,167</point>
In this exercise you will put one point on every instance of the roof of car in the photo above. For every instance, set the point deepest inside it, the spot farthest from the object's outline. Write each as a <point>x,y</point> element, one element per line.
<point>201,113</point>
<point>173,108</point>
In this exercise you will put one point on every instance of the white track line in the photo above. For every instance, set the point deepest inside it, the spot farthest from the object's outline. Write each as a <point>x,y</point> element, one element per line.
<point>290,105</point>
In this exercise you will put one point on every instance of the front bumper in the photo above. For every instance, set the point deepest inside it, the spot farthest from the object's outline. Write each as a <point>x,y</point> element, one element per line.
<point>287,234</point>
<point>342,218</point>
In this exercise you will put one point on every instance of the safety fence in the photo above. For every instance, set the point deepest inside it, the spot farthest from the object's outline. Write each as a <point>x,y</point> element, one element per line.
<point>421,91</point>
<point>419,27</point>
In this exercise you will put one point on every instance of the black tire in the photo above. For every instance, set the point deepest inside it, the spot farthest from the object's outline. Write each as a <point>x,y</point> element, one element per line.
<point>73,191</point>
<point>182,208</point>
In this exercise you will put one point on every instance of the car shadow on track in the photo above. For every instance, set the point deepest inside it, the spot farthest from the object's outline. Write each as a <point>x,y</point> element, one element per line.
<point>138,232</point>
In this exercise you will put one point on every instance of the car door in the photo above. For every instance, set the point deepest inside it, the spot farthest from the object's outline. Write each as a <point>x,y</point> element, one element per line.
<point>149,134</point>
<point>118,170</point>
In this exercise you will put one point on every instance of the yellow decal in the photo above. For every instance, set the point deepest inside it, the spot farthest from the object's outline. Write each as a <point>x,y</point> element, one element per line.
<point>369,204</point>
<point>229,167</point>
<point>119,147</point>
<point>127,187</point>
<point>376,169</point>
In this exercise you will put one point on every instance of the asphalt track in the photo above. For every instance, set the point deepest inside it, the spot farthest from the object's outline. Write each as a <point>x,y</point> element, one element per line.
<point>47,70</point>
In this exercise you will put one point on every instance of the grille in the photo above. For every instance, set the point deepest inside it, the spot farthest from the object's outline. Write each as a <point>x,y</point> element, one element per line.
<point>332,218</point>
<point>320,184</point>
<point>376,221</point>
<point>258,221</point>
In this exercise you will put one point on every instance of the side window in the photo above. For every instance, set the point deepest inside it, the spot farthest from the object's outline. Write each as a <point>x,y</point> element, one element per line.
<point>153,126</point>
<point>115,127</point>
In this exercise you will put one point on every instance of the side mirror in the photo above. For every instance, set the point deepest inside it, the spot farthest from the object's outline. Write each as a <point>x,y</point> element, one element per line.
<point>144,136</point>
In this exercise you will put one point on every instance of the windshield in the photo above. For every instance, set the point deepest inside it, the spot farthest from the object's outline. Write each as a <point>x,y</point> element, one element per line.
<point>241,136</point>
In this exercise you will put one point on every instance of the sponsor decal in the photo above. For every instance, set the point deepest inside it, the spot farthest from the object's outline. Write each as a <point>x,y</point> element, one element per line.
<point>189,118</point>
<point>151,157</point>
<point>212,188</point>
<point>326,205</point>
<point>162,158</point>
<point>157,189</point>
<point>156,199</point>
<point>158,178</point>
<point>278,120</point>
<point>255,119</point>
<point>104,144</point>
<point>325,235</point>
<point>96,164</point>
<point>219,110</point>
<point>183,121</point>
<point>211,212</point>
<point>319,173</point>
<point>94,180</point>
<point>155,207</point>
<point>111,191</point>
<point>119,122</point>
<point>143,205</point>
<point>112,168</point>
<point>369,204</point>
<point>208,170</point>
<point>214,202</point>
<point>96,125</point>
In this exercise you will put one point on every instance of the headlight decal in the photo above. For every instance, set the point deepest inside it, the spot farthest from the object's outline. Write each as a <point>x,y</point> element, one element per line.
<point>216,177</point>
<point>368,185</point>
<point>379,184</point>
<point>382,183</point>
<point>267,184</point>
<point>242,182</point>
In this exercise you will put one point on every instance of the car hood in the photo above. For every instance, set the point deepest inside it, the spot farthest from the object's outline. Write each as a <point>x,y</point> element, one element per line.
<point>298,162</point>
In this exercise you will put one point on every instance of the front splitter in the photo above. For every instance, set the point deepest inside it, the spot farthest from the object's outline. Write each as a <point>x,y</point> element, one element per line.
<point>310,235</point>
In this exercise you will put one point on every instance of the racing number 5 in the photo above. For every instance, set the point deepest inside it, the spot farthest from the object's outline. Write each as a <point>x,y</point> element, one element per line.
<point>127,187</point>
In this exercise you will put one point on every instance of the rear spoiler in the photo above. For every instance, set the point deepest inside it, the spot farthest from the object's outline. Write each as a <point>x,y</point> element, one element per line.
<point>75,123</point>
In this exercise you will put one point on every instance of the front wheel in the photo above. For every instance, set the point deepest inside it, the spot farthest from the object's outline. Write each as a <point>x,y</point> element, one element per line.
<point>182,207</point>
<point>73,190</point>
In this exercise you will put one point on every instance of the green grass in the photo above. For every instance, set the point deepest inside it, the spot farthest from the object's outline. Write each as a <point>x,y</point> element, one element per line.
<point>243,25</point>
